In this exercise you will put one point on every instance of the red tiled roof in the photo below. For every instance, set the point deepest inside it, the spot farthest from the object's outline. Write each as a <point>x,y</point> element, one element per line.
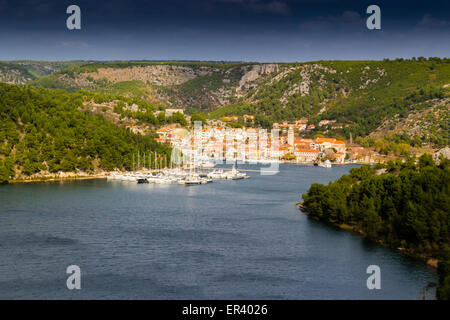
<point>308,150</point>
<point>323,140</point>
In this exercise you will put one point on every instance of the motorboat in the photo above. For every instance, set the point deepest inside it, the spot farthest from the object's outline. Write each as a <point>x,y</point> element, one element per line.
<point>234,174</point>
<point>207,164</point>
<point>190,181</point>
<point>216,174</point>
<point>325,164</point>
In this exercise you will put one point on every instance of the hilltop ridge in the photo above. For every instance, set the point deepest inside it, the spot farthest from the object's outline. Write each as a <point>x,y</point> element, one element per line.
<point>365,98</point>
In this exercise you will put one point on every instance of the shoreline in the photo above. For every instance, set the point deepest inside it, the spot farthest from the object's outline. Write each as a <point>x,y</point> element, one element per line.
<point>54,179</point>
<point>103,175</point>
<point>332,164</point>
<point>428,260</point>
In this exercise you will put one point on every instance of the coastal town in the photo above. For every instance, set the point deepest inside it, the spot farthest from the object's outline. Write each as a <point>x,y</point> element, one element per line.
<point>216,141</point>
<point>198,148</point>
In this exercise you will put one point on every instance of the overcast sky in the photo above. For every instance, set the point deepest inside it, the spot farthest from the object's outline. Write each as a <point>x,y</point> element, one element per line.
<point>231,30</point>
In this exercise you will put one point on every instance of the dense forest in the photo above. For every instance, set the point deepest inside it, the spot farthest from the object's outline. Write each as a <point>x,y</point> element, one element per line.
<point>123,107</point>
<point>402,204</point>
<point>43,130</point>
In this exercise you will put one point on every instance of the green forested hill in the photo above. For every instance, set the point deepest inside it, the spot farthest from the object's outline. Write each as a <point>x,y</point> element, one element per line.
<point>366,98</point>
<point>360,95</point>
<point>123,111</point>
<point>403,89</point>
<point>46,130</point>
<point>404,205</point>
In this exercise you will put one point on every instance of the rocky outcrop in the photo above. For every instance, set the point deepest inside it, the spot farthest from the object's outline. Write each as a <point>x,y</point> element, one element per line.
<point>256,72</point>
<point>161,75</point>
<point>13,76</point>
<point>367,79</point>
<point>303,86</point>
<point>445,152</point>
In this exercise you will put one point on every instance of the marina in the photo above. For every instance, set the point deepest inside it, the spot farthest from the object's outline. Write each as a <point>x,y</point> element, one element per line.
<point>193,172</point>
<point>180,176</point>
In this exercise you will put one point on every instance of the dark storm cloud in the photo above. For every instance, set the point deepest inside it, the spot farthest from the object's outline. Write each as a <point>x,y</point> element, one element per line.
<point>430,22</point>
<point>258,6</point>
<point>264,30</point>
<point>347,21</point>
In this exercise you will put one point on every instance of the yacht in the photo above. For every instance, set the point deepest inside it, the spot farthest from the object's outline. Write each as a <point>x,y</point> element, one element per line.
<point>189,181</point>
<point>216,174</point>
<point>326,164</point>
<point>235,175</point>
<point>162,179</point>
<point>206,164</point>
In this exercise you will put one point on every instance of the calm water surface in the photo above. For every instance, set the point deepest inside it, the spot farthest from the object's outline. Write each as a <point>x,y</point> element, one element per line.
<point>226,240</point>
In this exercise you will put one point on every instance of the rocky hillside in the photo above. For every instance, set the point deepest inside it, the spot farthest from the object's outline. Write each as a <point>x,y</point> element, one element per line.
<point>14,73</point>
<point>363,97</point>
<point>430,124</point>
<point>22,72</point>
<point>203,86</point>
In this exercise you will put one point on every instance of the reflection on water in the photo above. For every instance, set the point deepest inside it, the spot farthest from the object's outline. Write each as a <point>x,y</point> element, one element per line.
<point>226,240</point>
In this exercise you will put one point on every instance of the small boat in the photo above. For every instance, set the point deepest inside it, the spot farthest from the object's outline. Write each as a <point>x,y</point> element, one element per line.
<point>142,181</point>
<point>128,177</point>
<point>192,181</point>
<point>326,164</point>
<point>235,175</point>
<point>207,165</point>
<point>216,174</point>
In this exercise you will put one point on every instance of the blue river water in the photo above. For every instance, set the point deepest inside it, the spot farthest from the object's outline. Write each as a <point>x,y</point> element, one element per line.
<point>226,240</point>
